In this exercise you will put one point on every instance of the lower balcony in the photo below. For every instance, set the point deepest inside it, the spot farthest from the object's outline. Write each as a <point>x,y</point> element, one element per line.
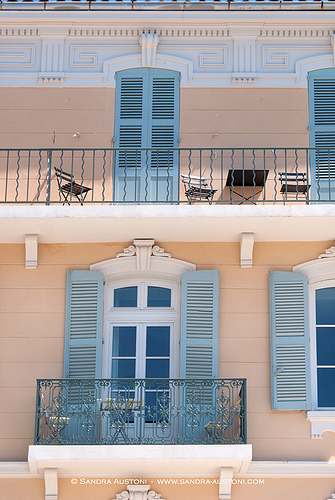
<point>141,412</point>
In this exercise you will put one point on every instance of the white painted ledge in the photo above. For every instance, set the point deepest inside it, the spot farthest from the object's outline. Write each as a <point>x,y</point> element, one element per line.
<point>108,223</point>
<point>321,421</point>
<point>140,460</point>
<point>259,469</point>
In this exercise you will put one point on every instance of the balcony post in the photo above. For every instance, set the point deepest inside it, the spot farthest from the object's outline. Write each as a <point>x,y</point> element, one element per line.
<point>49,157</point>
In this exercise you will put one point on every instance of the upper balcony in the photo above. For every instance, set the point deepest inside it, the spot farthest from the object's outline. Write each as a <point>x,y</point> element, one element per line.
<point>220,176</point>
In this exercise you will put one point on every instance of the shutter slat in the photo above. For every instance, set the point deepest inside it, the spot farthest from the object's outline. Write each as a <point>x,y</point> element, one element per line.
<point>290,385</point>
<point>322,133</point>
<point>83,324</point>
<point>199,325</point>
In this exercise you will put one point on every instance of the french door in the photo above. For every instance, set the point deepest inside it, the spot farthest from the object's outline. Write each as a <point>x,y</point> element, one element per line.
<point>146,167</point>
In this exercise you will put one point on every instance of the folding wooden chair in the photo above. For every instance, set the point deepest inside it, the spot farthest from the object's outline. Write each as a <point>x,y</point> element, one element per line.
<point>68,187</point>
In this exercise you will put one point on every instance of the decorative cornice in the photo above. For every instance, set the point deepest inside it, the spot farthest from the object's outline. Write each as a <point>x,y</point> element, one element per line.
<point>294,32</point>
<point>135,32</point>
<point>143,249</point>
<point>140,492</point>
<point>106,31</point>
<point>22,31</point>
<point>329,253</point>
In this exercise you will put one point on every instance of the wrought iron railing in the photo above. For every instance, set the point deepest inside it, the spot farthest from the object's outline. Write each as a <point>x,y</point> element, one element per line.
<point>141,411</point>
<point>184,3</point>
<point>172,176</point>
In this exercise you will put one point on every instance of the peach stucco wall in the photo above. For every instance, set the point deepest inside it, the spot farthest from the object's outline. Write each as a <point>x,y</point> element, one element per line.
<point>212,117</point>
<point>32,304</point>
<point>274,489</point>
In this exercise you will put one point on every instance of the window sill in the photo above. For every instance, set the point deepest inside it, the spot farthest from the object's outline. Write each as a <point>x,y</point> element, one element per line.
<point>321,421</point>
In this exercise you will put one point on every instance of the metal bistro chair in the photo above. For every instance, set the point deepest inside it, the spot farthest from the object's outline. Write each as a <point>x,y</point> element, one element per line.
<point>68,187</point>
<point>293,183</point>
<point>196,188</point>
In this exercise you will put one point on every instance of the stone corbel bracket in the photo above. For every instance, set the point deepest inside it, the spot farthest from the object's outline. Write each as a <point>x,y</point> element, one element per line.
<point>51,484</point>
<point>31,251</point>
<point>149,43</point>
<point>247,246</point>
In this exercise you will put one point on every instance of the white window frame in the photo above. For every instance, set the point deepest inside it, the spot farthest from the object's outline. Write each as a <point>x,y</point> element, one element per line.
<point>147,263</point>
<point>321,274</point>
<point>312,329</point>
<point>142,316</point>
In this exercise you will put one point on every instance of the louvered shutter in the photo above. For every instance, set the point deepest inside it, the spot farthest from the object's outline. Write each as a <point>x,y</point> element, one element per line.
<point>290,365</point>
<point>164,126</point>
<point>83,324</point>
<point>322,133</point>
<point>146,116</point>
<point>199,324</point>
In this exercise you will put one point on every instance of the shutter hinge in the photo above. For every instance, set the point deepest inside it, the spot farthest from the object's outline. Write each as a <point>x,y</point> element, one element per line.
<point>104,282</point>
<point>103,341</point>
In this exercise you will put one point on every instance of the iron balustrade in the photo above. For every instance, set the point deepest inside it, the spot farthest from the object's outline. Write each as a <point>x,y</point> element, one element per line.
<point>167,176</point>
<point>141,411</point>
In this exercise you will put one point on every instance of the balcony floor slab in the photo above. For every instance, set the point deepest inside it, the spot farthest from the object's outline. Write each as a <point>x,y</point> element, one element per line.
<point>140,460</point>
<point>221,223</point>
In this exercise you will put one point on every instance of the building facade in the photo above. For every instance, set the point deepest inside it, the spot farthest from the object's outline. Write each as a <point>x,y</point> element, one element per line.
<point>167,269</point>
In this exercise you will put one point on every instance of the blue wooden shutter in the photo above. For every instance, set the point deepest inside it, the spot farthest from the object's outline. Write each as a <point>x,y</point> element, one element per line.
<point>83,324</point>
<point>130,116</point>
<point>199,324</point>
<point>322,133</point>
<point>164,117</point>
<point>146,116</point>
<point>290,365</point>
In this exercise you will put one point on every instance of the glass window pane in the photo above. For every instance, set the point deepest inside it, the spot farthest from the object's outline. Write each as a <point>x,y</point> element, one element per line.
<point>325,345</point>
<point>157,368</point>
<point>123,368</point>
<point>158,341</point>
<point>125,297</point>
<point>326,384</point>
<point>124,341</point>
<point>325,306</point>
<point>159,296</point>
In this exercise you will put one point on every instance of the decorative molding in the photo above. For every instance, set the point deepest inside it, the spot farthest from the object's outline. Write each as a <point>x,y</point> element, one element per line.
<point>143,249</point>
<point>17,56</point>
<point>149,43</point>
<point>143,255</point>
<point>244,79</point>
<point>244,55</point>
<point>51,484</point>
<point>51,79</point>
<point>212,58</point>
<point>246,249</point>
<point>138,492</point>
<point>79,59</point>
<point>23,31</point>
<point>294,32</point>
<point>318,270</point>
<point>31,251</point>
<point>135,32</point>
<point>329,253</point>
<point>272,57</point>
<point>52,60</point>
<point>321,421</point>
